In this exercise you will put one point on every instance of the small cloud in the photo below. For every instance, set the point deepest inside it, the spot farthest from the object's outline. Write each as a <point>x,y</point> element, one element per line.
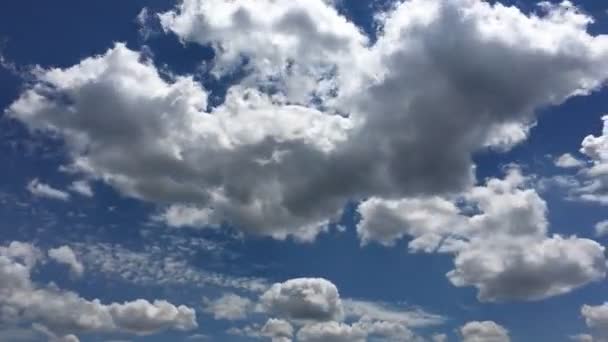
<point>82,187</point>
<point>567,160</point>
<point>39,189</point>
<point>601,228</point>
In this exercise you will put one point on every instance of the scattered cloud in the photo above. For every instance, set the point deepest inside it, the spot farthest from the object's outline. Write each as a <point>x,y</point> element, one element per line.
<point>39,189</point>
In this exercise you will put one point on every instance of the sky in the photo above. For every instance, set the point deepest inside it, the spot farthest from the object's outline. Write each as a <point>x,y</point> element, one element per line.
<point>310,171</point>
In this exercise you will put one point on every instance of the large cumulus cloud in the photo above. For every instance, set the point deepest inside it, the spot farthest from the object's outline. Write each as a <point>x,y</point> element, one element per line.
<point>323,115</point>
<point>498,234</point>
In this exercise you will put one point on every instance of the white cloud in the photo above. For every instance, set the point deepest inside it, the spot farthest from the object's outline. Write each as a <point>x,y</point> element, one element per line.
<point>601,228</point>
<point>229,306</point>
<point>486,331</point>
<point>567,160</point>
<point>595,188</point>
<point>498,235</point>
<point>342,108</point>
<point>36,188</point>
<point>596,318</point>
<point>65,255</point>
<point>523,269</point>
<point>63,312</point>
<point>278,330</point>
<point>82,187</point>
<point>331,332</point>
<point>384,312</point>
<point>304,299</point>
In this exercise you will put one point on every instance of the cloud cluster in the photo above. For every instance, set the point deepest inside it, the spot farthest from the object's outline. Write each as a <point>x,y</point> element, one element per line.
<point>63,312</point>
<point>498,235</point>
<point>311,309</point>
<point>319,96</point>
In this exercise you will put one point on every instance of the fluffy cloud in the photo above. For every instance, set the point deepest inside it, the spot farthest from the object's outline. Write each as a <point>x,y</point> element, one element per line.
<point>229,306</point>
<point>65,255</point>
<point>36,188</point>
<point>601,228</point>
<point>317,96</point>
<point>278,330</point>
<point>595,188</point>
<point>62,312</point>
<point>596,317</point>
<point>567,160</point>
<point>529,270</point>
<point>498,235</point>
<point>486,331</point>
<point>304,299</point>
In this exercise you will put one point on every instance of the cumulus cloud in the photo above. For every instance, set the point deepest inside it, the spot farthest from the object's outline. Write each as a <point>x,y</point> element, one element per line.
<point>601,228</point>
<point>65,255</point>
<point>595,186</point>
<point>596,318</point>
<point>319,96</point>
<point>486,331</point>
<point>529,270</point>
<point>229,306</point>
<point>278,330</point>
<point>567,160</point>
<point>498,235</point>
<point>304,299</point>
<point>39,189</point>
<point>64,312</point>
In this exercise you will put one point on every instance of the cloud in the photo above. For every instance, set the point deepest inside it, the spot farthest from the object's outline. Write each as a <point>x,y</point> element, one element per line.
<point>596,318</point>
<point>498,234</point>
<point>390,313</point>
<point>304,299</point>
<point>567,160</point>
<point>331,332</point>
<point>38,189</point>
<point>82,187</point>
<point>601,228</point>
<point>595,187</point>
<point>529,270</point>
<point>486,331</point>
<point>63,312</point>
<point>278,330</point>
<point>65,255</point>
<point>229,306</point>
<point>324,99</point>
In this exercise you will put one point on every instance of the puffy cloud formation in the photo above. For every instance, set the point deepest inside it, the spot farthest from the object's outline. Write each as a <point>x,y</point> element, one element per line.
<point>498,235</point>
<point>595,188</point>
<point>596,317</point>
<point>601,228</point>
<point>62,312</point>
<point>39,189</point>
<point>567,160</point>
<point>229,306</point>
<point>318,96</point>
<point>486,331</point>
<point>278,330</point>
<point>304,299</point>
<point>314,307</point>
<point>528,270</point>
<point>65,255</point>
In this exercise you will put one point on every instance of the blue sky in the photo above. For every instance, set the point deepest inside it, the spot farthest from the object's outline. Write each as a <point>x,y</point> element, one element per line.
<point>409,155</point>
